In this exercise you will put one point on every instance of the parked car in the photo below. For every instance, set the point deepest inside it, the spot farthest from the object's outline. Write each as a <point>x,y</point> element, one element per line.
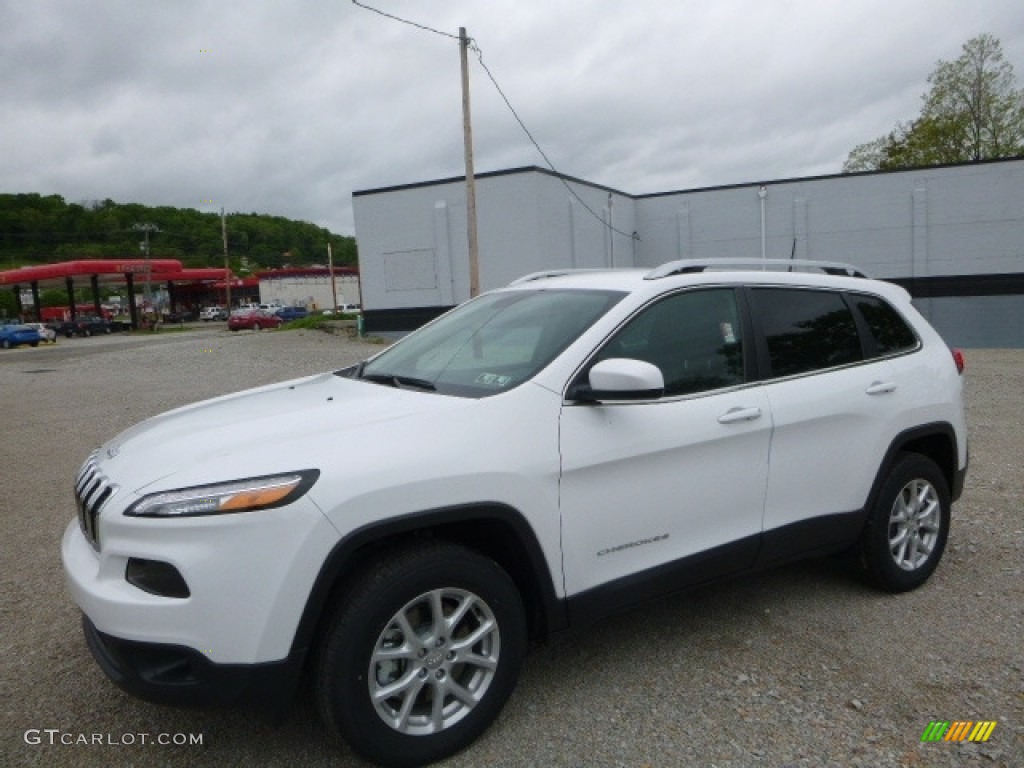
<point>178,317</point>
<point>540,457</point>
<point>84,326</point>
<point>253,320</point>
<point>292,313</point>
<point>46,333</point>
<point>12,335</point>
<point>206,314</point>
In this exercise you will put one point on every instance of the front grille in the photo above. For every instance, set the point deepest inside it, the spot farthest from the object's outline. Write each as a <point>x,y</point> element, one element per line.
<point>92,489</point>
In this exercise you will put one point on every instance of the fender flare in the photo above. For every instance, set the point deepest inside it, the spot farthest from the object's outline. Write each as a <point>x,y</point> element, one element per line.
<point>354,549</point>
<point>954,474</point>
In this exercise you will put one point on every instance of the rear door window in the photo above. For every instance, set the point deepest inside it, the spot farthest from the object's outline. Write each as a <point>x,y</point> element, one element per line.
<point>805,330</point>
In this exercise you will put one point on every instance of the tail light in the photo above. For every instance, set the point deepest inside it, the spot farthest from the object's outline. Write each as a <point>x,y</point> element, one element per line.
<point>958,358</point>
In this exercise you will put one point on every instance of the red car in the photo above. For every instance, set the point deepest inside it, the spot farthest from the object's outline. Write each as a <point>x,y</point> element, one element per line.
<point>253,320</point>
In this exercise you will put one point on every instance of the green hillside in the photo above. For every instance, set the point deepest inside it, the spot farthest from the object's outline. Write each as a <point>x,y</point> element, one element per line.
<point>37,229</point>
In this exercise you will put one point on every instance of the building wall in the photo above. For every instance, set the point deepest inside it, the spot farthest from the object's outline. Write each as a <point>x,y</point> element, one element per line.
<point>311,292</point>
<point>953,235</point>
<point>956,220</point>
<point>413,245</point>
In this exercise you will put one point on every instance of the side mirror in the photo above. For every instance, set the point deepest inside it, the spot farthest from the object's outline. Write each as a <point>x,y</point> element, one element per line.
<point>622,378</point>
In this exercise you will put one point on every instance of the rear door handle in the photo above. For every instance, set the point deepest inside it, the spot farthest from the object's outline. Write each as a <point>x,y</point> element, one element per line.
<point>881,388</point>
<point>737,414</point>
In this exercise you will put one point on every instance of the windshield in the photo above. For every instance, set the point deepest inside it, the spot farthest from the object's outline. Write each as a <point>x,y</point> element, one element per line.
<point>492,344</point>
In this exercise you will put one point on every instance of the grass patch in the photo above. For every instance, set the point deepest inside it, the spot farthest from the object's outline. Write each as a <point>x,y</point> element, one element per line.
<point>313,322</point>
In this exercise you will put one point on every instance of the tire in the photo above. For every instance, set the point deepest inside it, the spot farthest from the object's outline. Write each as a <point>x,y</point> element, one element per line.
<point>255,326</point>
<point>7,344</point>
<point>34,343</point>
<point>387,633</point>
<point>906,533</point>
<point>87,333</point>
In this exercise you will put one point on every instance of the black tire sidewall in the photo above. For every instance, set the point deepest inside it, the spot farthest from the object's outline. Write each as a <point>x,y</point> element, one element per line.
<point>875,554</point>
<point>344,695</point>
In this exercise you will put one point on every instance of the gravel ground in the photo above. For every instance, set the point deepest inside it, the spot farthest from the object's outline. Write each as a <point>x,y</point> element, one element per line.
<point>801,666</point>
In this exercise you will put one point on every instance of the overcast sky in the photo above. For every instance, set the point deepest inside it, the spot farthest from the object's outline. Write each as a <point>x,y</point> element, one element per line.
<point>286,108</point>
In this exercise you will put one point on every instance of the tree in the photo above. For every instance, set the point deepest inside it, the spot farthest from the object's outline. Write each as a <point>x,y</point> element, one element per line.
<point>37,229</point>
<point>971,112</point>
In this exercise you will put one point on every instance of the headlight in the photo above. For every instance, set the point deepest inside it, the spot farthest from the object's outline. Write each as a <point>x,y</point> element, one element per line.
<point>222,498</point>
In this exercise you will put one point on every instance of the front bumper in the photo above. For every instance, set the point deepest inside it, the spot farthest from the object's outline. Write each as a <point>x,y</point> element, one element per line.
<point>179,676</point>
<point>248,576</point>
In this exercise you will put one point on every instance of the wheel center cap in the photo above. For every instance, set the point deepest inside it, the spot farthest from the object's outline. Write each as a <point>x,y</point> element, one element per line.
<point>434,660</point>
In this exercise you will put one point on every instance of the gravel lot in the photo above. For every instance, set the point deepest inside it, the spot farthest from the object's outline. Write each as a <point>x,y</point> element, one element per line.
<point>802,666</point>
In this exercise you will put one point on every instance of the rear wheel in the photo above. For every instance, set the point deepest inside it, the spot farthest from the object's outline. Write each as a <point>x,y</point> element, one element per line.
<point>422,654</point>
<point>906,534</point>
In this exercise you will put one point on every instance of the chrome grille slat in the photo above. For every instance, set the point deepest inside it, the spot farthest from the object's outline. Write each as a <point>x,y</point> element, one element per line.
<point>92,490</point>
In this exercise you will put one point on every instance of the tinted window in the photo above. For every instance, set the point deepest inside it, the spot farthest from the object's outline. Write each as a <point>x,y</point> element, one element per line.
<point>695,338</point>
<point>888,329</point>
<point>805,330</point>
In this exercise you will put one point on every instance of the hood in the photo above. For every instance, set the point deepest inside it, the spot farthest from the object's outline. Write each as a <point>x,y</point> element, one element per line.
<point>281,427</point>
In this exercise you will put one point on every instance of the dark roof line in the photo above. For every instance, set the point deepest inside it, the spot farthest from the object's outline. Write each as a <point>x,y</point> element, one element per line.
<point>489,175</point>
<point>714,188</point>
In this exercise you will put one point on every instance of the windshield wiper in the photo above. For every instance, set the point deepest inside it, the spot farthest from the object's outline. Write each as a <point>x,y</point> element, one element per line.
<point>399,382</point>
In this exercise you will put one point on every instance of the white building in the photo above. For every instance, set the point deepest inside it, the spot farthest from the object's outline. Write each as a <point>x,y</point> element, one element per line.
<point>310,287</point>
<point>953,235</point>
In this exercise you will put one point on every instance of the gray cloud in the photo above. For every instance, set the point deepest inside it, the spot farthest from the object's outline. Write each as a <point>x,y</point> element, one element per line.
<point>288,108</point>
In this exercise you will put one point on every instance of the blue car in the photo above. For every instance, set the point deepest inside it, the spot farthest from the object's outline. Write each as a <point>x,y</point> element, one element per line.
<point>13,335</point>
<point>292,313</point>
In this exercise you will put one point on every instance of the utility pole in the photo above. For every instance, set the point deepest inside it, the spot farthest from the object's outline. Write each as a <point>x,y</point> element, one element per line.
<point>227,269</point>
<point>146,229</point>
<point>334,286</point>
<point>467,133</point>
<point>762,193</point>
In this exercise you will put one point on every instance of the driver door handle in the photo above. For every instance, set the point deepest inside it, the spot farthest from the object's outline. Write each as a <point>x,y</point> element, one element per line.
<point>881,388</point>
<point>734,415</point>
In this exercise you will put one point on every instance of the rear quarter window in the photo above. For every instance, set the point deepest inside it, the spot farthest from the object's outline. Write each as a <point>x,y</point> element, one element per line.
<point>888,332</point>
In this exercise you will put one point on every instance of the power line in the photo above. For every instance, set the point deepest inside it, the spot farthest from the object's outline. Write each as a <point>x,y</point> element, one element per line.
<point>480,57</point>
<point>406,21</point>
<point>558,174</point>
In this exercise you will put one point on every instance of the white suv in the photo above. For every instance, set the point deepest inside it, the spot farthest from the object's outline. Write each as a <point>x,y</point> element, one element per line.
<point>540,456</point>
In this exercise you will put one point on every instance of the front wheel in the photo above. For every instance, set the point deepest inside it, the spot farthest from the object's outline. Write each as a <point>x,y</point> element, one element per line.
<point>423,653</point>
<point>906,534</point>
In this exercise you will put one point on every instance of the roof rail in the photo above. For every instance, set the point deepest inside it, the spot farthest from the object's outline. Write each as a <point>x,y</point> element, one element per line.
<point>543,275</point>
<point>702,265</point>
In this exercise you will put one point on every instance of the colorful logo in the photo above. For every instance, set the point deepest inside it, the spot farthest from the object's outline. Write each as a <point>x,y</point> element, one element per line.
<point>958,730</point>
